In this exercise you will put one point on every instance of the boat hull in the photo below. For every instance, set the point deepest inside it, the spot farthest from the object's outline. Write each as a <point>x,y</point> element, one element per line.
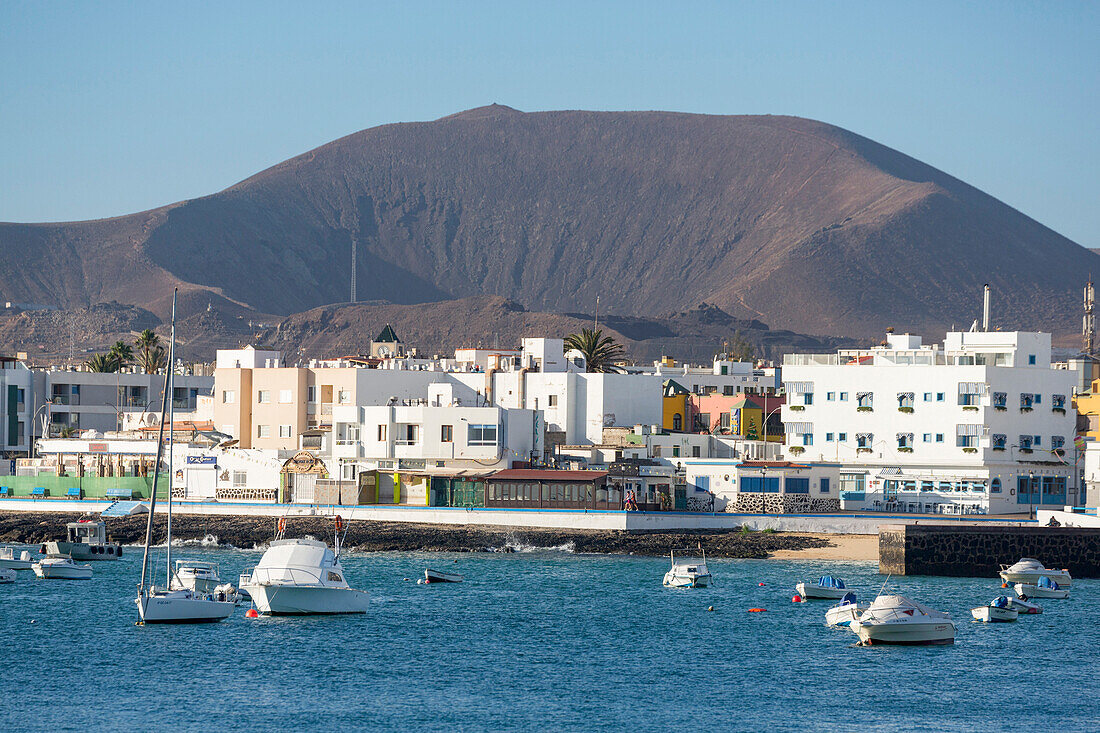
<point>16,564</point>
<point>932,633</point>
<point>84,551</point>
<point>1031,577</point>
<point>816,591</point>
<point>989,614</point>
<point>306,600</point>
<point>677,580</point>
<point>7,575</point>
<point>62,572</point>
<point>843,616</point>
<point>434,576</point>
<point>181,608</point>
<point>1023,606</point>
<point>1025,590</point>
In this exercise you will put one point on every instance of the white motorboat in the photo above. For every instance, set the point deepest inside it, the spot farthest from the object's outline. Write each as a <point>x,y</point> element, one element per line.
<point>61,568</point>
<point>1029,570</point>
<point>181,605</point>
<point>843,613</point>
<point>9,560</point>
<point>1024,607</point>
<point>434,576</point>
<point>303,577</point>
<point>689,572</point>
<point>84,540</point>
<point>826,587</point>
<point>1044,588</point>
<point>895,619</point>
<point>196,576</point>
<point>7,575</point>
<point>998,610</point>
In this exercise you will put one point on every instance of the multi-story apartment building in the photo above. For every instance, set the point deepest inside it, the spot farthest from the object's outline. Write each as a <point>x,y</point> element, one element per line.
<point>981,424</point>
<point>16,408</point>
<point>96,401</point>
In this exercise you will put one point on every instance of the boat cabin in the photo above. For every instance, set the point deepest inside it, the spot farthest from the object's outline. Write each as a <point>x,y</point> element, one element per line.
<point>87,532</point>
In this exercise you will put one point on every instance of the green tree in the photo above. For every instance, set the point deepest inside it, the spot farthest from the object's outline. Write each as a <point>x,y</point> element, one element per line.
<point>151,356</point>
<point>122,353</point>
<point>600,352</point>
<point>102,363</point>
<point>740,349</point>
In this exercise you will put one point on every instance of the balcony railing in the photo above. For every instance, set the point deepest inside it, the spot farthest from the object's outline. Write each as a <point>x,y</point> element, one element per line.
<point>60,399</point>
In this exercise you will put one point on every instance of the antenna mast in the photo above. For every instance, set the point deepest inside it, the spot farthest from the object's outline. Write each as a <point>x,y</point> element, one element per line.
<point>1088,329</point>
<point>354,269</point>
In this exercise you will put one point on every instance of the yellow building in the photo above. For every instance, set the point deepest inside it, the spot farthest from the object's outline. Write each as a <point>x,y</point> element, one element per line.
<point>675,404</point>
<point>1088,411</point>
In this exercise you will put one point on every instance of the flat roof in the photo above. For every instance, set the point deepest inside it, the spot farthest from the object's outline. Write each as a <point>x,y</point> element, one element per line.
<point>535,474</point>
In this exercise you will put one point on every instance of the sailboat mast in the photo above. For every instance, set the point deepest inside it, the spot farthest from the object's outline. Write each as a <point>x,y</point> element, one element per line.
<point>171,435</point>
<point>156,467</point>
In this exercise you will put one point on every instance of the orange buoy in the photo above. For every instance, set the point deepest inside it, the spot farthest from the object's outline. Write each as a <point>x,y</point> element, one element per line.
<point>760,584</point>
<point>796,599</point>
<point>1004,585</point>
<point>251,613</point>
<point>757,610</point>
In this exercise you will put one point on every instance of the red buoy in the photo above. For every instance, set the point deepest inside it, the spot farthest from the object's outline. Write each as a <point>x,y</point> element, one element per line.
<point>760,584</point>
<point>757,610</point>
<point>251,613</point>
<point>796,599</point>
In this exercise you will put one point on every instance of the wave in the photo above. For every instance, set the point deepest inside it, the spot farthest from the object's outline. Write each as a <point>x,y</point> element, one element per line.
<point>209,540</point>
<point>514,544</point>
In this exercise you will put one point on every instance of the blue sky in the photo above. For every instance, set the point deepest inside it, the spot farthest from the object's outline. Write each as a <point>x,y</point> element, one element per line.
<point>110,108</point>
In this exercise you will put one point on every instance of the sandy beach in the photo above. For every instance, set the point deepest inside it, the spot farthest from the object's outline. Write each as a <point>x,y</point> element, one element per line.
<point>841,547</point>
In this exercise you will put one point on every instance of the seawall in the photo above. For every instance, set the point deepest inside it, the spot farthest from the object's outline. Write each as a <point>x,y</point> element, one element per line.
<point>974,551</point>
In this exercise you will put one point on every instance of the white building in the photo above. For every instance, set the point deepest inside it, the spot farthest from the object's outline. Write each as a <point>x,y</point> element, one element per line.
<point>981,424</point>
<point>766,486</point>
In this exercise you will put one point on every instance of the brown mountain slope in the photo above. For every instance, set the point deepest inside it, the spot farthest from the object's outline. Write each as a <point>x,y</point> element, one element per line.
<point>796,222</point>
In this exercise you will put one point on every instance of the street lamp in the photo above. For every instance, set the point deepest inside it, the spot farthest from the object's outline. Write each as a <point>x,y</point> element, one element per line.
<point>47,403</point>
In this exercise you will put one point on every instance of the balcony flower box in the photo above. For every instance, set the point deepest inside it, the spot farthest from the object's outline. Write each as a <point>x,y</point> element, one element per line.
<point>796,450</point>
<point>1025,450</point>
<point>970,408</point>
<point>862,450</point>
<point>1059,410</point>
<point>796,408</point>
<point>905,449</point>
<point>906,410</point>
<point>1025,409</point>
<point>865,409</point>
<point>999,447</point>
<point>970,450</point>
<point>1002,408</point>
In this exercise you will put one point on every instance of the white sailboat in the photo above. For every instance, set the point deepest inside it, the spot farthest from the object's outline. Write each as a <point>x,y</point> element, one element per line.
<point>165,605</point>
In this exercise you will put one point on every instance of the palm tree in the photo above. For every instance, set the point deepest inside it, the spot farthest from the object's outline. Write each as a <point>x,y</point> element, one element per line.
<point>600,352</point>
<point>122,353</point>
<point>102,363</point>
<point>740,349</point>
<point>151,355</point>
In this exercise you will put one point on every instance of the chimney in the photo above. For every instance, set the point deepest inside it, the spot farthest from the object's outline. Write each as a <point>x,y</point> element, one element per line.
<point>985,307</point>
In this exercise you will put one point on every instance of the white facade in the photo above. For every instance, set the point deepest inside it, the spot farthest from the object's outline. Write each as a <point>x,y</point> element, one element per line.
<point>725,478</point>
<point>974,424</point>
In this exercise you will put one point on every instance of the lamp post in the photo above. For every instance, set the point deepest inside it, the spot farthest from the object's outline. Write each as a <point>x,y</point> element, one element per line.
<point>46,404</point>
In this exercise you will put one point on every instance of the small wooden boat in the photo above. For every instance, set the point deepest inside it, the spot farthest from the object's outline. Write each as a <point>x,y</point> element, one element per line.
<point>1045,588</point>
<point>1019,605</point>
<point>999,609</point>
<point>827,587</point>
<point>434,576</point>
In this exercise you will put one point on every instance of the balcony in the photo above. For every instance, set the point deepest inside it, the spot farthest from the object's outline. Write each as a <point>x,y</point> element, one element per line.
<point>60,399</point>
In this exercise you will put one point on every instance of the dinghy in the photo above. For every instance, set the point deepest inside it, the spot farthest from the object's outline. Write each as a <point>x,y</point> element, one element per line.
<point>998,610</point>
<point>1044,588</point>
<point>1024,607</point>
<point>845,612</point>
<point>827,587</point>
<point>434,576</point>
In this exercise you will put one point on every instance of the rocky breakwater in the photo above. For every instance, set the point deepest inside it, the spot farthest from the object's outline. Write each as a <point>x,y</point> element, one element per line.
<point>980,551</point>
<point>248,532</point>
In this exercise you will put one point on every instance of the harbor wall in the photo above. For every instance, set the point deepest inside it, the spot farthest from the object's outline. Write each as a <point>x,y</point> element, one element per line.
<point>841,523</point>
<point>979,551</point>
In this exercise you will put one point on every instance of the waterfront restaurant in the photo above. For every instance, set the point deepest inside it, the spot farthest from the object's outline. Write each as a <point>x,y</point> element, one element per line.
<point>546,489</point>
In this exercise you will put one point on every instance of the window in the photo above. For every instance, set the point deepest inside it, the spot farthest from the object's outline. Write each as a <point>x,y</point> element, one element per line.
<point>229,396</point>
<point>905,399</point>
<point>311,393</point>
<point>853,481</point>
<point>677,422</point>
<point>808,398</point>
<point>263,431</point>
<point>927,486</point>
<point>843,396</point>
<point>807,439</point>
<point>1031,359</point>
<point>727,390</point>
<point>284,431</point>
<point>1057,402</point>
<point>724,421</point>
<point>552,400</point>
<point>285,396</point>
<point>1026,400</point>
<point>830,396</point>
<point>824,486</point>
<point>927,437</point>
<point>1038,399</point>
<point>965,441</point>
<point>345,397</point>
<point>865,400</point>
<point>995,486</point>
<point>927,396</point>
<point>797,485</point>
<point>828,437</point>
<point>864,440</point>
<point>1000,399</point>
<point>1057,442</point>
<point>1025,442</point>
<point>381,433</point>
<point>1037,440</point>
<point>446,433</point>
<point>998,440</point>
<point>939,397</point>
<point>905,440</point>
<point>240,478</point>
<point>939,437</point>
<point>695,451</point>
<point>481,435</point>
<point>675,451</point>
<point>842,437</point>
<point>263,396</point>
<point>656,451</point>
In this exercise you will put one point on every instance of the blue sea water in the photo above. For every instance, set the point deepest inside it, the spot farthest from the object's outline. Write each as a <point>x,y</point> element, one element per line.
<point>546,640</point>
